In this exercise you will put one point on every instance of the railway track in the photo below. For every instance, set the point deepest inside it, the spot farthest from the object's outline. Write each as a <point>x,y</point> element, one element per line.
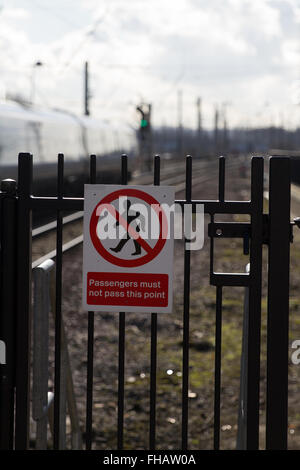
<point>44,237</point>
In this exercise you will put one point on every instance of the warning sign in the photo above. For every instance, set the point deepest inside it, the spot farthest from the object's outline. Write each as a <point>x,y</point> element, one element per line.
<point>128,248</point>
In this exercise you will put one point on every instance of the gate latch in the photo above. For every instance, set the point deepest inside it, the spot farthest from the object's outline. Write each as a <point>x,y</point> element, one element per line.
<point>231,230</point>
<point>243,230</point>
<point>296,222</point>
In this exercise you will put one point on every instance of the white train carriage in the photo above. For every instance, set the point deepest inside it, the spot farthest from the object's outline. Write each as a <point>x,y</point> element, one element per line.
<point>45,133</point>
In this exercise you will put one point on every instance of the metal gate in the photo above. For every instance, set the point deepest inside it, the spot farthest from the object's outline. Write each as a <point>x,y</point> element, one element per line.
<point>273,229</point>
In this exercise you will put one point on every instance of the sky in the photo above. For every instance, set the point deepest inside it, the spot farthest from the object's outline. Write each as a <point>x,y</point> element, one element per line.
<point>240,56</point>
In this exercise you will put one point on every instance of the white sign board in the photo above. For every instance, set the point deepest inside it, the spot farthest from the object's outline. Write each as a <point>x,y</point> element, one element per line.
<point>128,248</point>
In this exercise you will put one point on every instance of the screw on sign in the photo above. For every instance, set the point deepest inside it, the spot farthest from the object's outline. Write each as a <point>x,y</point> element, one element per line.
<point>125,266</point>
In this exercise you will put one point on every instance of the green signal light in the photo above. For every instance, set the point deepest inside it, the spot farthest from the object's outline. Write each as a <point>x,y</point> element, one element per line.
<point>144,123</point>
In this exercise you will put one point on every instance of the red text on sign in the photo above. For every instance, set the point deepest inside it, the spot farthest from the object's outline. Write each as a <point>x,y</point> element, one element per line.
<point>130,289</point>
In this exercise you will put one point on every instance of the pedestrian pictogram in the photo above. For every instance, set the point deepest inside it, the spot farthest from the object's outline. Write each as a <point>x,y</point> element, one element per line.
<point>142,247</point>
<point>128,248</point>
<point>130,219</point>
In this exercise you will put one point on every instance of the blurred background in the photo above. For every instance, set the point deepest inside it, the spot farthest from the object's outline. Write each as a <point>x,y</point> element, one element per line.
<point>196,77</point>
<point>217,77</point>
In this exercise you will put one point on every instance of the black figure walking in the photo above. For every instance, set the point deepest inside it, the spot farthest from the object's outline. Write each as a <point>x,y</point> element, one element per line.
<point>122,243</point>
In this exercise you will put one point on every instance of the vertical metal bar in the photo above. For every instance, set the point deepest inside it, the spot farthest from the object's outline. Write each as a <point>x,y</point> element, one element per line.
<point>40,373</point>
<point>186,317</point>
<point>242,413</point>
<point>76,438</point>
<point>218,349</point>
<point>121,372</point>
<point>58,315</point>
<point>89,390</point>
<point>221,198</point>
<point>40,356</point>
<point>212,250</point>
<point>90,352</point>
<point>23,295</point>
<point>153,357</point>
<point>278,303</point>
<point>221,179</point>
<point>8,312</point>
<point>253,372</point>
<point>218,331</point>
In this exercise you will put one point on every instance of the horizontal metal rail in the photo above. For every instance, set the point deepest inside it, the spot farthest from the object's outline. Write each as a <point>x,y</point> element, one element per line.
<point>180,186</point>
<point>177,180</point>
<point>76,216</point>
<point>79,215</point>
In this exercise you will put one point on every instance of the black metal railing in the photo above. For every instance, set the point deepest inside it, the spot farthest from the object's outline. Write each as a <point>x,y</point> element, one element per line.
<point>273,229</point>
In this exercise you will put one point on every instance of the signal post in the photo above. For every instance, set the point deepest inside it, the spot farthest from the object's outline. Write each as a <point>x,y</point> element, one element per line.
<point>145,137</point>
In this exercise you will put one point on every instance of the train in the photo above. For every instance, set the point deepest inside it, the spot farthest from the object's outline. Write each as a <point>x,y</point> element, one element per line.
<point>45,133</point>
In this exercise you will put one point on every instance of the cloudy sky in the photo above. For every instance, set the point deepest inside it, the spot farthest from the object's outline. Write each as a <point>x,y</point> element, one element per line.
<point>240,55</point>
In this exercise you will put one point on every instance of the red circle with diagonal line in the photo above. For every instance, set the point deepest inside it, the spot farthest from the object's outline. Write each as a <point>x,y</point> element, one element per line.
<point>151,252</point>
